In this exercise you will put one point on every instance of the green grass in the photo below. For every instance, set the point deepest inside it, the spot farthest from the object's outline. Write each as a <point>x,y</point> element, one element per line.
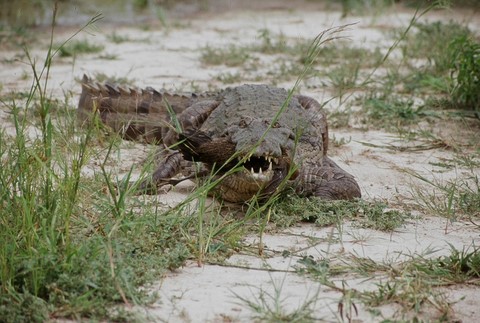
<point>122,80</point>
<point>443,78</point>
<point>79,47</point>
<point>14,37</point>
<point>374,215</point>
<point>67,248</point>
<point>117,38</point>
<point>365,7</point>
<point>271,306</point>
<point>230,56</point>
<point>229,78</point>
<point>412,284</point>
<point>466,73</point>
<point>452,67</point>
<point>415,283</point>
<point>455,199</point>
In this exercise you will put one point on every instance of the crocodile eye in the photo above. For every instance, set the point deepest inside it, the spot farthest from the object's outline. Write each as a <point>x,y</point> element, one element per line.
<point>276,125</point>
<point>242,124</point>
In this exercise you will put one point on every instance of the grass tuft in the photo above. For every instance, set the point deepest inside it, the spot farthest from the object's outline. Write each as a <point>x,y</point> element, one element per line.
<point>79,47</point>
<point>373,215</point>
<point>231,56</point>
<point>272,306</point>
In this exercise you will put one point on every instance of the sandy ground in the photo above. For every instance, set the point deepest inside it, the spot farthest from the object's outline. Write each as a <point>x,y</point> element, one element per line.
<point>169,58</point>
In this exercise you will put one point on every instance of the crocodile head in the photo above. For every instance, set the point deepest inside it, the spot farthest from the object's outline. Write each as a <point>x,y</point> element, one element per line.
<point>264,151</point>
<point>262,146</point>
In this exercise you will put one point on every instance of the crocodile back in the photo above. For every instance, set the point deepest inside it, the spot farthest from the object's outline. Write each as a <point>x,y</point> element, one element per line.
<point>136,114</point>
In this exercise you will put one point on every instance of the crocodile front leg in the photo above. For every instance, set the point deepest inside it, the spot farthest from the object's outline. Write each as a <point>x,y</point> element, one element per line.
<point>328,182</point>
<point>174,162</point>
<point>169,166</point>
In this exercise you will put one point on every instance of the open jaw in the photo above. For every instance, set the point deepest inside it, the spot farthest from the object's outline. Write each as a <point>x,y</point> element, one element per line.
<point>260,168</point>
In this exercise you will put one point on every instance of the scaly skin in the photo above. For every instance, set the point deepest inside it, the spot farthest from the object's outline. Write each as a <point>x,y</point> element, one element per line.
<point>249,136</point>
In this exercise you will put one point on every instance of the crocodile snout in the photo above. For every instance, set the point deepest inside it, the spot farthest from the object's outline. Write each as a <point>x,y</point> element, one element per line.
<point>261,141</point>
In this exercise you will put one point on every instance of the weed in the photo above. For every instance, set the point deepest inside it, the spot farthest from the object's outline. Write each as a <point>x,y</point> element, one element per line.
<point>79,47</point>
<point>338,119</point>
<point>231,56</point>
<point>365,6</point>
<point>272,307</point>
<point>373,215</point>
<point>117,39</point>
<point>140,4</point>
<point>430,41</point>
<point>102,77</point>
<point>278,44</point>
<point>453,199</point>
<point>340,54</point>
<point>392,111</point>
<point>285,70</point>
<point>229,78</point>
<point>58,257</point>
<point>466,61</point>
<point>452,63</point>
<point>15,37</point>
<point>108,57</point>
<point>343,79</point>
<point>413,282</point>
<point>340,142</point>
<point>319,269</point>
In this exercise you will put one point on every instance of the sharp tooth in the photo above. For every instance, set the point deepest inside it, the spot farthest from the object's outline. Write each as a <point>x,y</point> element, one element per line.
<point>275,160</point>
<point>253,172</point>
<point>270,166</point>
<point>260,171</point>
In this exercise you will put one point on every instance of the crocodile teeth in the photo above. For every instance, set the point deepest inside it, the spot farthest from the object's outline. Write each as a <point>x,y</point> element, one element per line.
<point>270,166</point>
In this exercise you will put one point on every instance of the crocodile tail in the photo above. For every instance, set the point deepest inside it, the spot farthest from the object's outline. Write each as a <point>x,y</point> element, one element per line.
<point>137,114</point>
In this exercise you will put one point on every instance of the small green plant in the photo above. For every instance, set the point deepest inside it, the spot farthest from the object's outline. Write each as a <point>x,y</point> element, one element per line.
<point>429,41</point>
<point>339,53</point>
<point>343,79</point>
<point>319,269</point>
<point>453,199</point>
<point>123,80</point>
<point>272,306</point>
<point>117,38</point>
<point>79,47</point>
<point>14,37</point>
<point>277,44</point>
<point>365,6</point>
<point>374,215</point>
<point>229,78</point>
<point>412,283</point>
<point>466,73</point>
<point>231,56</point>
<point>140,4</point>
<point>392,111</point>
<point>108,57</point>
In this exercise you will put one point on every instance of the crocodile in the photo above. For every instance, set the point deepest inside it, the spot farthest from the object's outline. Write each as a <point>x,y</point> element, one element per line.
<point>256,139</point>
